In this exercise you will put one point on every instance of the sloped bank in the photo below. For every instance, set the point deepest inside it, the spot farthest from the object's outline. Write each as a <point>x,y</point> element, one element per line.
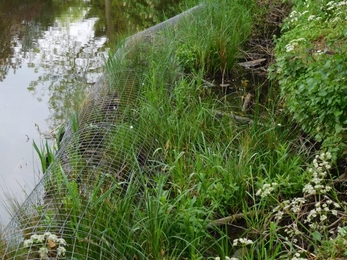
<point>102,152</point>
<point>311,69</point>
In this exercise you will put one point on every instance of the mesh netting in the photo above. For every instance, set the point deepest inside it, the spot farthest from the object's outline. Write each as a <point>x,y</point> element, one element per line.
<point>103,151</point>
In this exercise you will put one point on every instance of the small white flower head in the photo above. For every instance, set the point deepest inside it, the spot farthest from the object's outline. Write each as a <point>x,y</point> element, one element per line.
<point>34,237</point>
<point>43,251</point>
<point>47,234</point>
<point>323,218</point>
<point>28,242</point>
<point>53,237</point>
<point>311,17</point>
<point>61,241</point>
<point>308,189</point>
<point>242,241</point>
<point>61,251</point>
<point>37,239</point>
<point>279,215</point>
<point>266,189</point>
<point>337,205</point>
<point>297,257</point>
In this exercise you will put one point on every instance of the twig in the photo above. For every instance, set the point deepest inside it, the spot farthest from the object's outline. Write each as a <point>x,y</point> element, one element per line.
<point>208,84</point>
<point>232,218</point>
<point>336,222</point>
<point>240,119</point>
<point>304,250</point>
<point>246,102</point>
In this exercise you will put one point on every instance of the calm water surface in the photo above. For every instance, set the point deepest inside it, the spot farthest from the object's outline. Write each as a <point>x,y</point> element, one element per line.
<point>51,51</point>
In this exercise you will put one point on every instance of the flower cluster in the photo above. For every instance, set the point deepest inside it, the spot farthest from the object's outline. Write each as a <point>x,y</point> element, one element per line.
<point>316,212</point>
<point>319,213</point>
<point>293,43</point>
<point>242,242</point>
<point>297,257</point>
<point>266,189</point>
<point>46,244</point>
<point>318,173</point>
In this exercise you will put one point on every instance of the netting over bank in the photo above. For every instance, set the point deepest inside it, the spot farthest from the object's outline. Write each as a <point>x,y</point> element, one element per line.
<point>104,150</point>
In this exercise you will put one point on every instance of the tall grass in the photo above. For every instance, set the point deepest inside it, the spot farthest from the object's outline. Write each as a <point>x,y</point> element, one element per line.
<point>198,195</point>
<point>211,166</point>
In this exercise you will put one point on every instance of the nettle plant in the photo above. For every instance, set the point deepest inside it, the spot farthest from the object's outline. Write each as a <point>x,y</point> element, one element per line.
<point>313,225</point>
<point>311,67</point>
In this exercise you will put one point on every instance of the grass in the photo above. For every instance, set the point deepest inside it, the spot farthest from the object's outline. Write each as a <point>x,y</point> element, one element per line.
<point>175,176</point>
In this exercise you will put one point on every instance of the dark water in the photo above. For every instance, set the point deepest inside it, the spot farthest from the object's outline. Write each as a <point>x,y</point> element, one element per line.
<point>51,52</point>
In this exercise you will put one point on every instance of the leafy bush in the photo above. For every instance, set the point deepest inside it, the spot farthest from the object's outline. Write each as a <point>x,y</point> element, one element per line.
<point>311,67</point>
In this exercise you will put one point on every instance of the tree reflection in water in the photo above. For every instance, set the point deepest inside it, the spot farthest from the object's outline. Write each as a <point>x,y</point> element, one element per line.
<point>65,42</point>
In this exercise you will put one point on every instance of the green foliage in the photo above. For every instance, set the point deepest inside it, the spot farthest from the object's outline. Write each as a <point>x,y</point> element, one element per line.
<point>211,38</point>
<point>205,173</point>
<point>46,155</point>
<point>311,68</point>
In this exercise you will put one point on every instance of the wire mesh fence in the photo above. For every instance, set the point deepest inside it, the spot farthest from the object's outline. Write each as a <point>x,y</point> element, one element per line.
<point>71,213</point>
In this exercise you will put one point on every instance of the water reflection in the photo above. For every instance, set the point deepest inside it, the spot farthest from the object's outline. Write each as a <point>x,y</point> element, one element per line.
<point>72,58</point>
<point>51,51</point>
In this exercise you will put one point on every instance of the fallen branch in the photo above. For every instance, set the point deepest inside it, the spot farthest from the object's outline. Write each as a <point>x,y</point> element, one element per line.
<point>246,102</point>
<point>240,119</point>
<point>252,64</point>
<point>208,84</point>
<point>232,218</point>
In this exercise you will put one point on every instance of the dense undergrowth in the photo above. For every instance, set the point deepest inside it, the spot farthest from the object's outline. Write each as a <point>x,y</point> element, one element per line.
<point>228,181</point>
<point>311,70</point>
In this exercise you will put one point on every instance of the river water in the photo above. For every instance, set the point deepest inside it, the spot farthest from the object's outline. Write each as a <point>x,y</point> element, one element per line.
<point>51,52</point>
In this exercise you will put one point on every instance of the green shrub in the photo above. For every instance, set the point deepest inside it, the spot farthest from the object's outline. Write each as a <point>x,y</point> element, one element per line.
<point>311,67</point>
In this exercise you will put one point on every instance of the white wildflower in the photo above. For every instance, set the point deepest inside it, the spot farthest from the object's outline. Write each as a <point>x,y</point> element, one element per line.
<point>43,251</point>
<point>61,241</point>
<point>279,215</point>
<point>34,237</point>
<point>37,238</point>
<point>61,251</point>
<point>242,241</point>
<point>313,226</point>
<point>315,163</point>
<point>327,189</point>
<point>334,212</point>
<point>323,218</point>
<point>311,17</point>
<point>53,237</point>
<point>28,242</point>
<point>308,189</point>
<point>336,205</point>
<point>266,189</point>
<point>47,234</point>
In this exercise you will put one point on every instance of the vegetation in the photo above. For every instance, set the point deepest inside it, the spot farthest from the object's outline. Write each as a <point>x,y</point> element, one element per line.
<point>186,169</point>
<point>311,70</point>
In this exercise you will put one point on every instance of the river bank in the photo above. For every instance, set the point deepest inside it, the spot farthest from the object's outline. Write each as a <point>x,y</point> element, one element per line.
<point>188,152</point>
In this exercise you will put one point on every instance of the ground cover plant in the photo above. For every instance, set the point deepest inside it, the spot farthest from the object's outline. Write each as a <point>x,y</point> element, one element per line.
<point>311,69</point>
<point>184,169</point>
